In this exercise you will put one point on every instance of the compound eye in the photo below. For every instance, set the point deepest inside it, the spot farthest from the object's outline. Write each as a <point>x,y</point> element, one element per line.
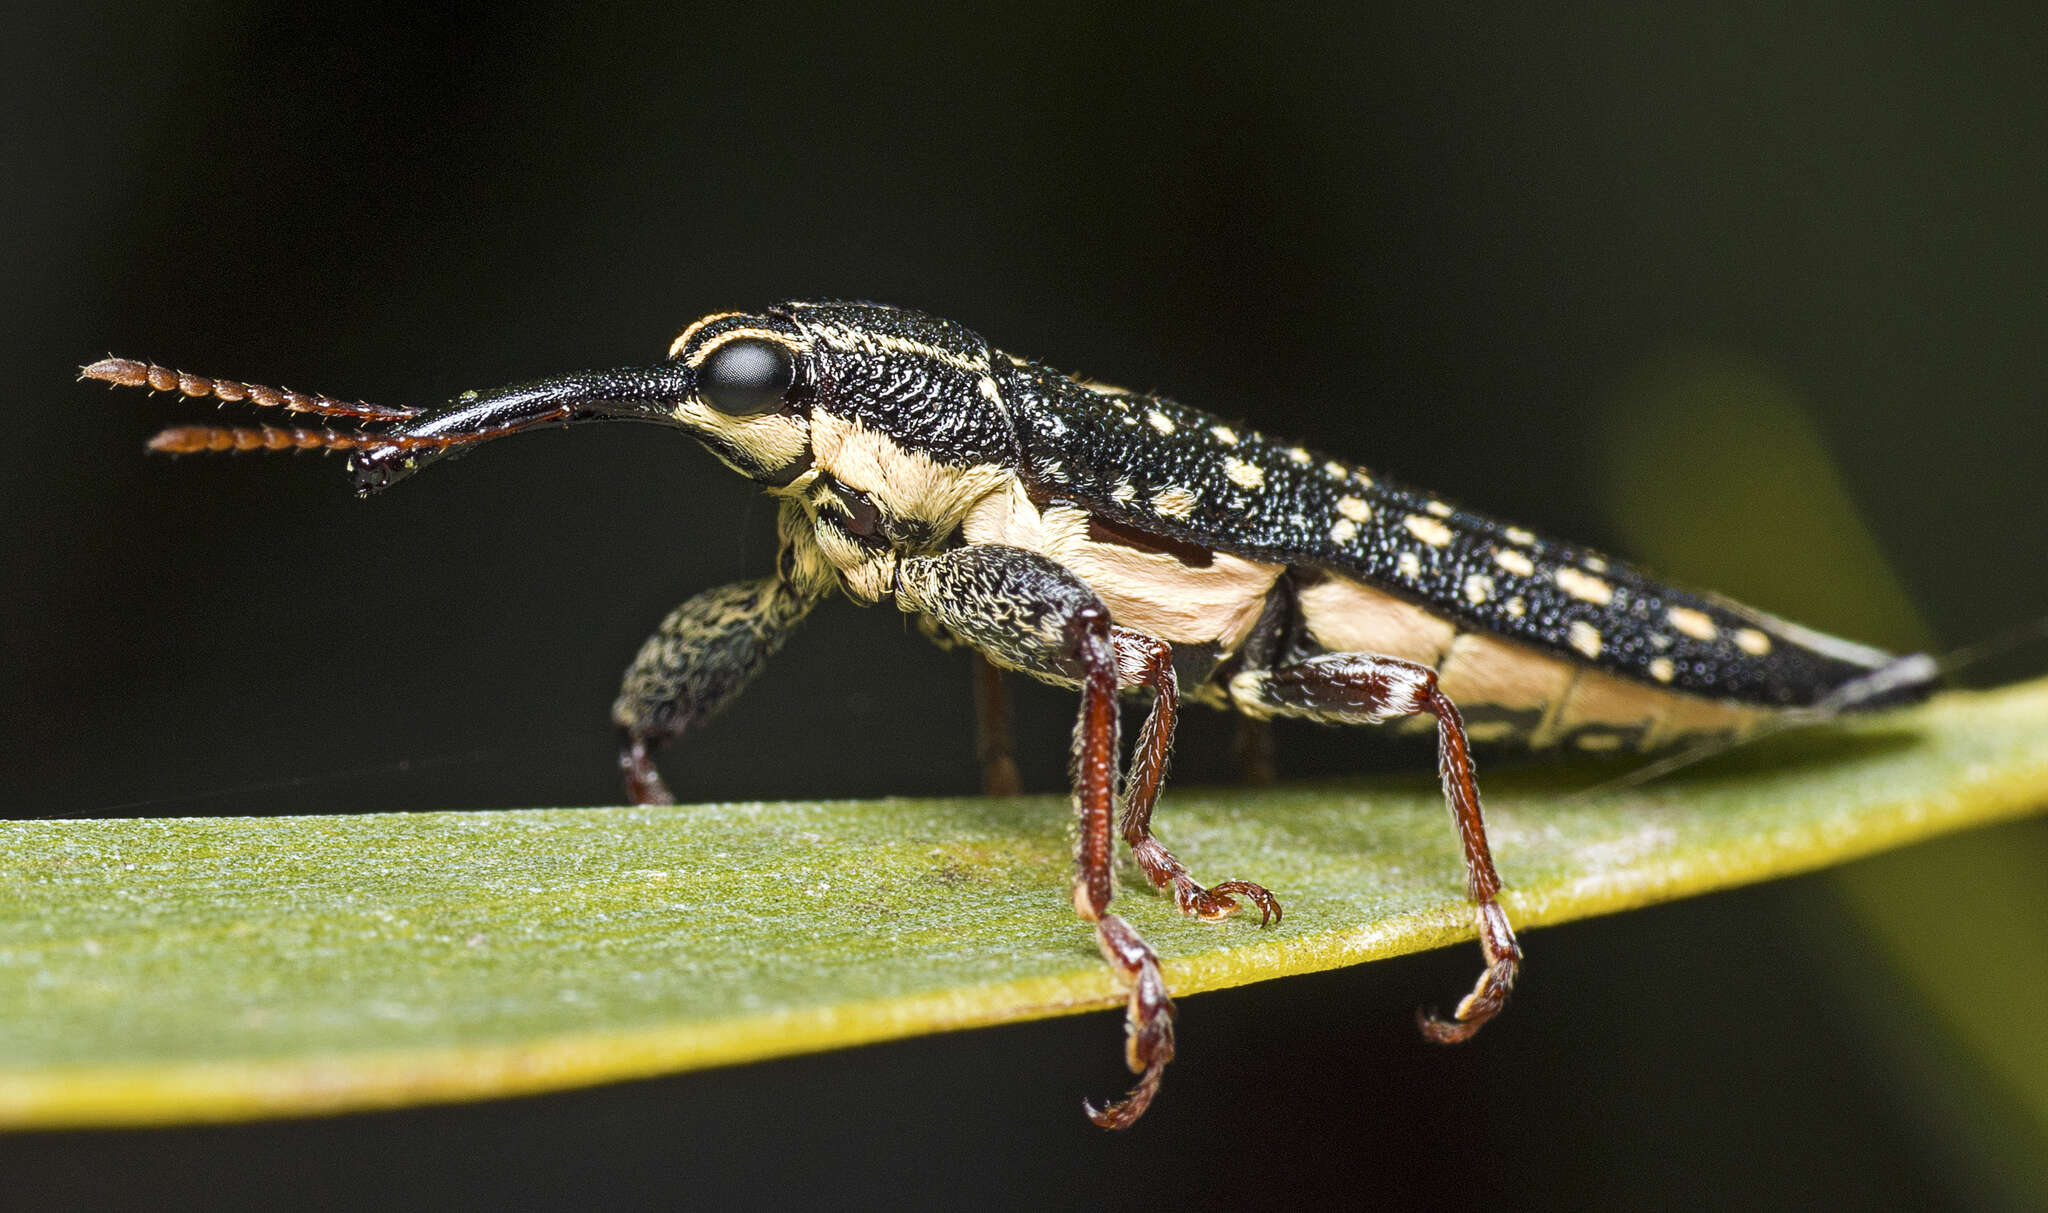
<point>745,376</point>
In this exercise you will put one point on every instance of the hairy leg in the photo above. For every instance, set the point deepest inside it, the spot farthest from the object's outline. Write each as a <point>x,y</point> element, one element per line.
<point>704,655</point>
<point>1026,613</point>
<point>1361,688</point>
<point>1148,662</point>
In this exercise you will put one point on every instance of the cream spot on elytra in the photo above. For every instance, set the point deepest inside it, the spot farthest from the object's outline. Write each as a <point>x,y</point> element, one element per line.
<point>1428,530</point>
<point>1175,502</point>
<point>1409,565</point>
<point>1354,508</point>
<point>1693,623</point>
<point>1440,509</point>
<point>1159,421</point>
<point>1248,475</point>
<point>1662,670</point>
<point>1344,531</point>
<point>1516,607</point>
<point>1123,492</point>
<point>1584,586</point>
<point>1584,637</point>
<point>1514,562</point>
<point>1478,588</point>
<point>1335,470</point>
<point>1752,642</point>
<point>1300,456</point>
<point>1224,434</point>
<point>1516,534</point>
<point>1595,564</point>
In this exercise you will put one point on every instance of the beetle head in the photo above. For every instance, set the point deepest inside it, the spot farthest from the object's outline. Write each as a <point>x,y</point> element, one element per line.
<point>742,396</point>
<point>749,386</point>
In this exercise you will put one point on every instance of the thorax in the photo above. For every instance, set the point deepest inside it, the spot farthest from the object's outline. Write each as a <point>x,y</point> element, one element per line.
<point>1181,593</point>
<point>868,499</point>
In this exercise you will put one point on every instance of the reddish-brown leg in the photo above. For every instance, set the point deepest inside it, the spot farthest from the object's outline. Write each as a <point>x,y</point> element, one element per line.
<point>644,784</point>
<point>1149,1011</point>
<point>992,749</point>
<point>1028,613</point>
<point>1148,662</point>
<point>1362,688</point>
<point>1482,883</point>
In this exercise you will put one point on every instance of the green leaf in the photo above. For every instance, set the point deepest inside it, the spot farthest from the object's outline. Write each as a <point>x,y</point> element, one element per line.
<point>158,971</point>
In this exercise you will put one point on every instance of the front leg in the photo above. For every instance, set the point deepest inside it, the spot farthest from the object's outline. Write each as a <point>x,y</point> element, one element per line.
<point>1024,612</point>
<point>704,655</point>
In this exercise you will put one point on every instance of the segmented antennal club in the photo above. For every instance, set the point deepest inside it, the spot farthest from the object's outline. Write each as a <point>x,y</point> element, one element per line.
<point>127,372</point>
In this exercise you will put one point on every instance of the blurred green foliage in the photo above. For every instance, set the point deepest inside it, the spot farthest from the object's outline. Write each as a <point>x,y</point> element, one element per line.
<point>1961,922</point>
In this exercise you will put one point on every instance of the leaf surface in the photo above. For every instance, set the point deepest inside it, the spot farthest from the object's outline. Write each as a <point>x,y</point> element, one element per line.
<point>171,970</point>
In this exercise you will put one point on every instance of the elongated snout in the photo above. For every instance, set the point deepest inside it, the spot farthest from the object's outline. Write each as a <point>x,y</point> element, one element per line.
<point>627,394</point>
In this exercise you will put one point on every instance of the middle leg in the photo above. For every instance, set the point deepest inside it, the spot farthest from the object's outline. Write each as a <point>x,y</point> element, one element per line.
<point>992,749</point>
<point>1148,662</point>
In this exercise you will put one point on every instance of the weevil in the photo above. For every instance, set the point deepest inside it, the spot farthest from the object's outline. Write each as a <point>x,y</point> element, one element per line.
<point>1115,543</point>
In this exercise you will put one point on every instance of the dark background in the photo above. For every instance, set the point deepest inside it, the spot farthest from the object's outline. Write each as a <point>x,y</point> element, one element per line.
<point>1445,242</point>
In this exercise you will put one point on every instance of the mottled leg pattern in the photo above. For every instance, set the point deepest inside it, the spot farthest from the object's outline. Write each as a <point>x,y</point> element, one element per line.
<point>1026,613</point>
<point>1148,662</point>
<point>1359,688</point>
<point>704,655</point>
<point>992,748</point>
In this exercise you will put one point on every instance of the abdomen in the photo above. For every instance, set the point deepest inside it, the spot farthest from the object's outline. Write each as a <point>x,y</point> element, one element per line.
<point>1513,691</point>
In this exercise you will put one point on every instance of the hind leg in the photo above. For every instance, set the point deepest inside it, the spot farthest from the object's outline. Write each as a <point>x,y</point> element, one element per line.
<point>1361,688</point>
